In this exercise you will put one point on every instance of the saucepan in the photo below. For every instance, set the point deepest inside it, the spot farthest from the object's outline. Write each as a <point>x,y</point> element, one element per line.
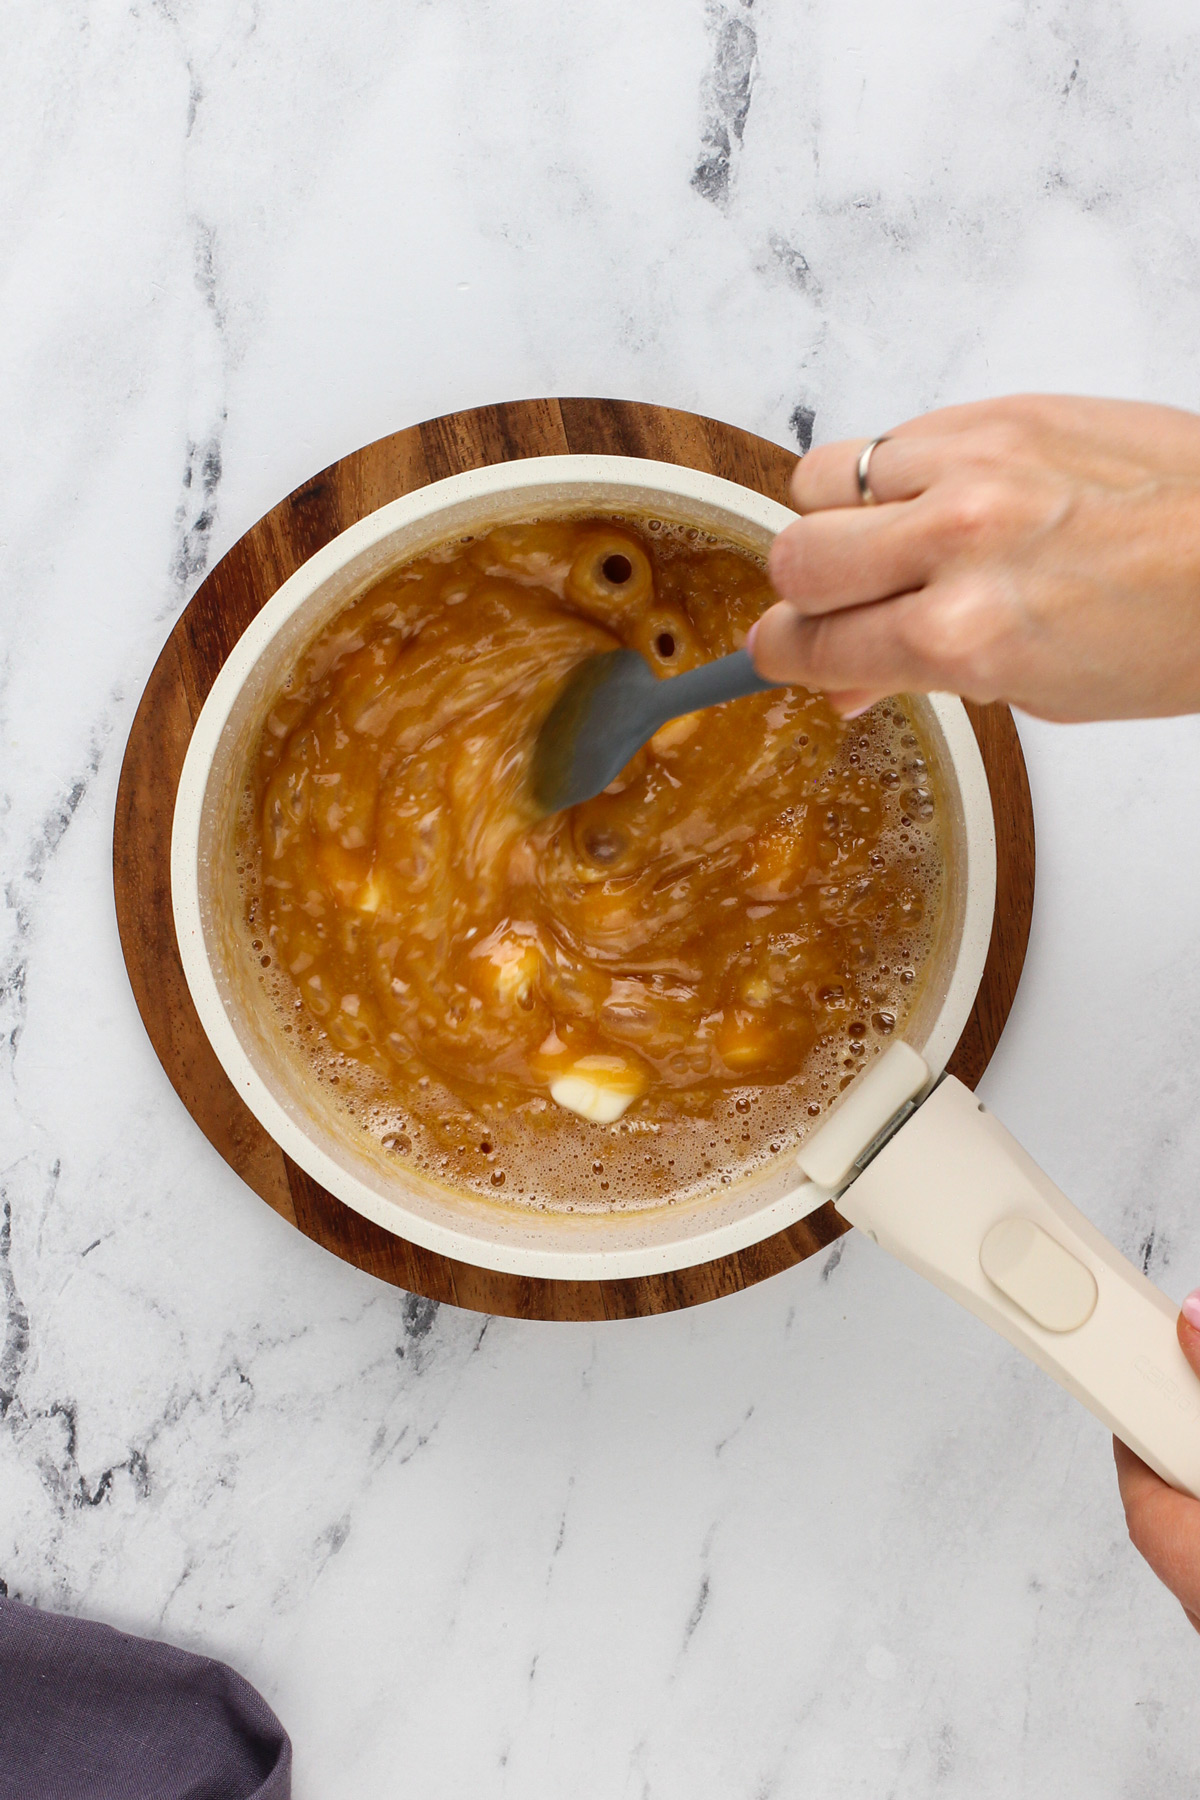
<point>909,1154</point>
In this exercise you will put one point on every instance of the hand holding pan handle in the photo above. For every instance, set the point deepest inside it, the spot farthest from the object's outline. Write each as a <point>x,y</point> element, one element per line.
<point>953,1195</point>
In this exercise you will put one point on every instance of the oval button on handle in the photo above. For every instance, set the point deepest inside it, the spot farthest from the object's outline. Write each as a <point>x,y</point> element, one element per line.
<point>954,1195</point>
<point>1037,1274</point>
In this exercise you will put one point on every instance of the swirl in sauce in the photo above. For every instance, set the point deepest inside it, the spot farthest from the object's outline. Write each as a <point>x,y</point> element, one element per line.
<point>641,998</point>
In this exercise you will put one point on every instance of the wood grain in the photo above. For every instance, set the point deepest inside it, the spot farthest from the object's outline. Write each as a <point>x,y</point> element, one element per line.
<point>205,633</point>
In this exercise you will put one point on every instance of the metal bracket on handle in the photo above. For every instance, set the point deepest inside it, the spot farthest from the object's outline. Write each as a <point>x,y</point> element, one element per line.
<point>880,1101</point>
<point>884,1137</point>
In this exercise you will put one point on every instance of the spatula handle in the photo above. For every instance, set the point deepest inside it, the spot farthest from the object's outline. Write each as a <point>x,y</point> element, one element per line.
<point>728,678</point>
<point>956,1197</point>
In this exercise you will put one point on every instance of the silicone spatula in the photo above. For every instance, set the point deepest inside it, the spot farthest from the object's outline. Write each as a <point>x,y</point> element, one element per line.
<point>610,706</point>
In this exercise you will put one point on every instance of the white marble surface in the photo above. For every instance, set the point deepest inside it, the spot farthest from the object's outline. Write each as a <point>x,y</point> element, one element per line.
<point>828,1537</point>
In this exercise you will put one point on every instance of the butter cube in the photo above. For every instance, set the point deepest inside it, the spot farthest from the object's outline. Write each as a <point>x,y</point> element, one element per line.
<point>598,1088</point>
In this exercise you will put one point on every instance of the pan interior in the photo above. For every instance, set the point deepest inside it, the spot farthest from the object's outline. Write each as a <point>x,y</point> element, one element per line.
<point>302,1115</point>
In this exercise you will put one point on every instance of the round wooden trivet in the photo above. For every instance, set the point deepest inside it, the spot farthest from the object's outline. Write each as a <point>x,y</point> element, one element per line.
<point>206,632</point>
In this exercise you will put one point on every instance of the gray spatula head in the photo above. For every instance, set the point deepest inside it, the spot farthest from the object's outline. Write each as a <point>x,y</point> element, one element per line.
<point>610,706</point>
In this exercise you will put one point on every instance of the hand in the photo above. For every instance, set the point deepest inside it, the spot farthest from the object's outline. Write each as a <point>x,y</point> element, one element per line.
<point>1040,550</point>
<point>1164,1525</point>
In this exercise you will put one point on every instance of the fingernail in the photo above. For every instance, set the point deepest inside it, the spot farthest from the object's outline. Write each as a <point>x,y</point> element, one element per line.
<point>1191,1309</point>
<point>750,637</point>
<point>856,712</point>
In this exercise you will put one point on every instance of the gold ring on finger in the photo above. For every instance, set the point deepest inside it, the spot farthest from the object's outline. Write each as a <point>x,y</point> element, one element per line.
<point>865,491</point>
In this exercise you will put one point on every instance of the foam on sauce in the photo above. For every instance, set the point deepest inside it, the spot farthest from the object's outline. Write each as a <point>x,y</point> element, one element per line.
<point>721,940</point>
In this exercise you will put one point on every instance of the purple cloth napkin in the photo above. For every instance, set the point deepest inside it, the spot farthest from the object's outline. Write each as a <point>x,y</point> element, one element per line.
<point>88,1713</point>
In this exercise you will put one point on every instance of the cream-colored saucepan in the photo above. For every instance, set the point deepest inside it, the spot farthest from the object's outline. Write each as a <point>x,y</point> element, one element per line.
<point>913,1159</point>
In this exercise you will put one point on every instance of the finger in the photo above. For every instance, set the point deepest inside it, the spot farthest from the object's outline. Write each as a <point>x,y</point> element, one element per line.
<point>1164,1526</point>
<point>839,558</point>
<point>862,650</point>
<point>959,634</point>
<point>828,476</point>
<point>1146,428</point>
<point>983,434</point>
<point>903,464</point>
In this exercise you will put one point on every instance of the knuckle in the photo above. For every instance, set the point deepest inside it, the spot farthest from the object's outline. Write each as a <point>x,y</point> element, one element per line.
<point>958,635</point>
<point>971,513</point>
<point>919,629</point>
<point>1001,440</point>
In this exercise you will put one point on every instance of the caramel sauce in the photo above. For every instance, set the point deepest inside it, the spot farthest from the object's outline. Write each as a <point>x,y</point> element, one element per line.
<point>641,998</point>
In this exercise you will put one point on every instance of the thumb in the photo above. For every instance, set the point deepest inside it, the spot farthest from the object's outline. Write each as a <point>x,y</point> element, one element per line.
<point>1187,1329</point>
<point>778,662</point>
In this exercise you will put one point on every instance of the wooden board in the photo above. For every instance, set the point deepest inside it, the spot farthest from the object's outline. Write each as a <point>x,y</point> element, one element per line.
<point>201,640</point>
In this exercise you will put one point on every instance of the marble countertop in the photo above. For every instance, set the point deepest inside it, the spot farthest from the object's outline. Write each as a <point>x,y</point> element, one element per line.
<point>828,1536</point>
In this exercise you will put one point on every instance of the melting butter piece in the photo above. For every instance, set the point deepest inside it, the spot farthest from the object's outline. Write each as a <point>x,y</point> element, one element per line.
<point>370,895</point>
<point>598,1088</point>
<point>516,972</point>
<point>675,732</point>
<point>746,1041</point>
<point>510,968</point>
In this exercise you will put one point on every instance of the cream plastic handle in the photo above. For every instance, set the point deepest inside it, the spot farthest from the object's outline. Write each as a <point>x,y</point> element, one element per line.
<point>955,1197</point>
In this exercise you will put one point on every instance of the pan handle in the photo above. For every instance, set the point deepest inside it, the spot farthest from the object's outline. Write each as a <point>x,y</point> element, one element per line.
<point>955,1197</point>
